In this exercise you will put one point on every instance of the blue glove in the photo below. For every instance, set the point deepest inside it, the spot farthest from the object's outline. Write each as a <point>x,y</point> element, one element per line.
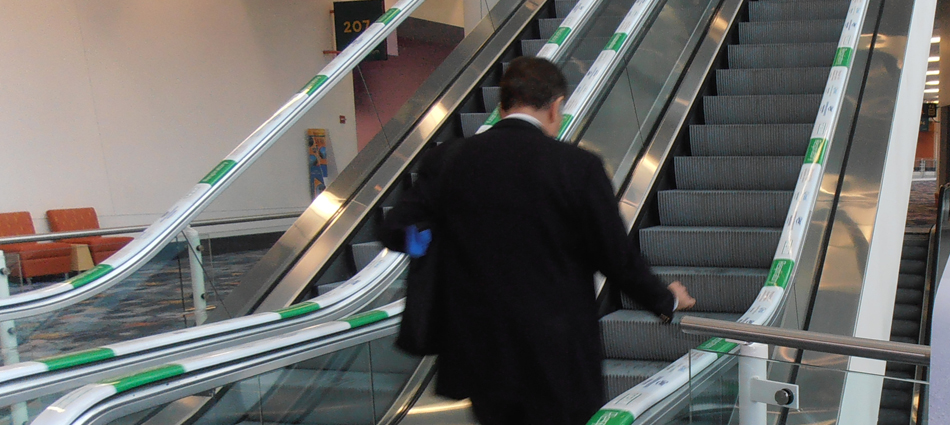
<point>417,242</point>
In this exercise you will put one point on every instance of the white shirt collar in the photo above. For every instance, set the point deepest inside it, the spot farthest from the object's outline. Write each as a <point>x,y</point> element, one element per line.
<point>525,117</point>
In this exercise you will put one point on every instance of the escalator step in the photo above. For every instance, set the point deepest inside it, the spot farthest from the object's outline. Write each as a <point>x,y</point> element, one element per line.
<point>757,140</point>
<point>766,109</point>
<point>910,312</point>
<point>491,96</point>
<point>908,297</point>
<point>905,339</point>
<point>639,335</point>
<point>745,247</point>
<point>903,373</point>
<point>532,47</point>
<point>472,121</point>
<point>563,7</point>
<point>724,208</point>
<point>721,290</point>
<point>781,55</point>
<point>897,399</point>
<point>734,82</point>
<point>737,172</point>
<point>899,416</point>
<point>905,328</point>
<point>916,239</point>
<point>621,375</point>
<point>910,281</point>
<point>904,370</point>
<point>915,252</point>
<point>364,253</point>
<point>813,31</point>
<point>548,26</point>
<point>916,267</point>
<point>798,10</point>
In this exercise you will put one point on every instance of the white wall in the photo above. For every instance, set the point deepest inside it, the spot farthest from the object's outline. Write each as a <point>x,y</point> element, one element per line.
<point>123,105</point>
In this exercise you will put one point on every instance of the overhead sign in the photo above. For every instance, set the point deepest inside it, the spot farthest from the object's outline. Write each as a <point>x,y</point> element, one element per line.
<point>929,110</point>
<point>351,18</point>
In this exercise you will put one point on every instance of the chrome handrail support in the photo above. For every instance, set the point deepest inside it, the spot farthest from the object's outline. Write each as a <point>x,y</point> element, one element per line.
<point>146,245</point>
<point>8,343</point>
<point>939,397</point>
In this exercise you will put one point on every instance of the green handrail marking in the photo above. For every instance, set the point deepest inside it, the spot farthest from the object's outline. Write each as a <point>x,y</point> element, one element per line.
<point>90,275</point>
<point>366,318</point>
<point>64,361</point>
<point>218,172</point>
<point>297,310</point>
<point>780,273</point>
<point>611,417</point>
<point>147,377</point>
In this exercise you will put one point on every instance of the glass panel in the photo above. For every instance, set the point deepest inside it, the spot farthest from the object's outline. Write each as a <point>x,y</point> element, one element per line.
<point>353,386</point>
<point>155,299</point>
<point>621,125</point>
<point>826,394</point>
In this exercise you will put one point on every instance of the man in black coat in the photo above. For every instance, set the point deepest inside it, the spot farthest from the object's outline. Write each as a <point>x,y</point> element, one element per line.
<point>524,221</point>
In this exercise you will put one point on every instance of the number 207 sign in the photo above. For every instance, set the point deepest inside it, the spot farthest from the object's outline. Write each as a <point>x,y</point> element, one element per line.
<point>351,18</point>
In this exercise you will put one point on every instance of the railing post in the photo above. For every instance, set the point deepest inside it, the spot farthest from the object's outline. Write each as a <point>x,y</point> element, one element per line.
<point>752,365</point>
<point>8,343</point>
<point>197,275</point>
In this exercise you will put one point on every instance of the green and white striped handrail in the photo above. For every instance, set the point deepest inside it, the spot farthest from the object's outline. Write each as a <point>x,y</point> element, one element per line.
<point>387,263</point>
<point>72,406</point>
<point>563,40</point>
<point>146,245</point>
<point>625,408</point>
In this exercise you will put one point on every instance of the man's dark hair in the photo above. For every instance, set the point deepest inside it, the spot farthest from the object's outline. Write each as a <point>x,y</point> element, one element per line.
<point>531,82</point>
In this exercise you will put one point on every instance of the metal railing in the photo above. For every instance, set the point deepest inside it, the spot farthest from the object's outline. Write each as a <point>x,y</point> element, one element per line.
<point>55,236</point>
<point>805,340</point>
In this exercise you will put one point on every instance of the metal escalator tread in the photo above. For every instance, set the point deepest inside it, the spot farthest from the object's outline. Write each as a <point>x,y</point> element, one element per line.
<point>772,32</point>
<point>756,140</point>
<point>720,221</point>
<point>760,11</point>
<point>716,289</point>
<point>780,55</point>
<point>774,81</point>
<point>897,396</point>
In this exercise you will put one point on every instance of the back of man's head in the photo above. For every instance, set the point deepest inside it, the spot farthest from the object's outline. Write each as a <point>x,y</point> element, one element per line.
<point>531,82</point>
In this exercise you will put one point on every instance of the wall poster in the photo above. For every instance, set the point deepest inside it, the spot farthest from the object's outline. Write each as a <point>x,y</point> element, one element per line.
<point>317,153</point>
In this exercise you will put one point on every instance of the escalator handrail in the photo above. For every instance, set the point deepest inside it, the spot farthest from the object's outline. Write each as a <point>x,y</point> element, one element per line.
<point>561,42</point>
<point>628,406</point>
<point>70,408</point>
<point>16,378</point>
<point>146,245</point>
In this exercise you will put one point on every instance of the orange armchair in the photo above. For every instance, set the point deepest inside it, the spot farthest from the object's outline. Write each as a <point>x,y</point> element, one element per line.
<point>71,219</point>
<point>35,258</point>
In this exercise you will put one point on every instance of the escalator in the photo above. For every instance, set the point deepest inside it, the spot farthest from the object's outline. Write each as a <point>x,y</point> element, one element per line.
<point>897,404</point>
<point>721,210</point>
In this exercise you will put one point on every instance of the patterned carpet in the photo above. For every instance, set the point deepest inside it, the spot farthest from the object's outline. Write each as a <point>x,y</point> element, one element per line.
<point>922,207</point>
<point>151,301</point>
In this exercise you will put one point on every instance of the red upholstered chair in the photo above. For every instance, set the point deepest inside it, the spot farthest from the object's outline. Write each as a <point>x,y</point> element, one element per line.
<point>35,258</point>
<point>71,219</point>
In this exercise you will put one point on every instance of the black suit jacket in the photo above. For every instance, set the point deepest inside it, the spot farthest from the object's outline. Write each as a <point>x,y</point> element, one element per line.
<point>525,222</point>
